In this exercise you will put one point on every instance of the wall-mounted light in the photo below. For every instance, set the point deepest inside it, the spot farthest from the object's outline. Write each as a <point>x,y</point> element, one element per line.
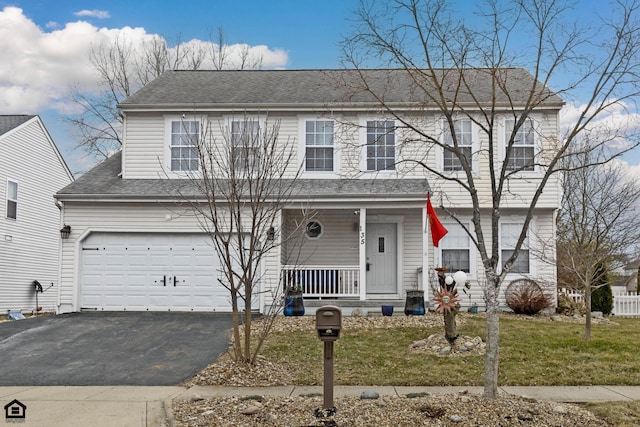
<point>271,233</point>
<point>65,231</point>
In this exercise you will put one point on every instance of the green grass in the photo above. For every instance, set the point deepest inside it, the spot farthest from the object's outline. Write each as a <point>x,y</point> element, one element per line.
<point>531,353</point>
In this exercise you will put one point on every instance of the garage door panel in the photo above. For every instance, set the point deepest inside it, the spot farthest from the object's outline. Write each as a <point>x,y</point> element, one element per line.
<point>136,272</point>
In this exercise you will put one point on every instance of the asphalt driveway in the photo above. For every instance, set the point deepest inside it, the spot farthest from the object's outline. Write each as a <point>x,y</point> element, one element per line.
<point>127,348</point>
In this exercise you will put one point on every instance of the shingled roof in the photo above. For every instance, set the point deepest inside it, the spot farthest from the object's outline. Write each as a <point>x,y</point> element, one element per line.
<point>9,122</point>
<point>299,88</point>
<point>104,182</point>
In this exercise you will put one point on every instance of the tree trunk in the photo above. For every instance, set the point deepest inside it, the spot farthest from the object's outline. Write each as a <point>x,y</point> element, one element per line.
<point>450,330</point>
<point>247,323</point>
<point>492,360</point>
<point>587,305</point>
<point>237,344</point>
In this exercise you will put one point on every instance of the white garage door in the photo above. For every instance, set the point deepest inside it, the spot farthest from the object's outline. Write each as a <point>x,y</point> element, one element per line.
<point>151,271</point>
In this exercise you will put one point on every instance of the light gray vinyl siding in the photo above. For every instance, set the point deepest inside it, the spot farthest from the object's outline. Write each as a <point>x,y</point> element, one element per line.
<point>144,151</point>
<point>338,244</point>
<point>29,245</point>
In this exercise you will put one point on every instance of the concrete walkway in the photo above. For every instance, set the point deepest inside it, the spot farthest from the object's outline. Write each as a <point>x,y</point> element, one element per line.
<point>151,406</point>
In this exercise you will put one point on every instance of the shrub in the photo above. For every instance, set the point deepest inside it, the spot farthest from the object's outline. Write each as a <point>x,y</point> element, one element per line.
<point>525,296</point>
<point>569,307</point>
<point>602,299</point>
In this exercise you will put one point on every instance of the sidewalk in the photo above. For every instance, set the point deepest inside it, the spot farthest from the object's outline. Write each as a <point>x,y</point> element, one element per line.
<point>126,406</point>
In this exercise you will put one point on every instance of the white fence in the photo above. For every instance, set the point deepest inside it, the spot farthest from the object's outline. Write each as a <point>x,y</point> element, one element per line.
<point>323,281</point>
<point>624,304</point>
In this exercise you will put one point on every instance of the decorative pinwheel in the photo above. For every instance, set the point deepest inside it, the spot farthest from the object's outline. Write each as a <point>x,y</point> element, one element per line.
<point>446,299</point>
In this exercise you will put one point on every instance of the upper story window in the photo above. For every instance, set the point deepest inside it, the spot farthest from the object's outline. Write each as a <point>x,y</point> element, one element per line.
<point>523,150</point>
<point>381,145</point>
<point>509,233</point>
<point>319,145</point>
<point>464,139</point>
<point>245,144</point>
<point>185,135</point>
<point>456,249</point>
<point>12,200</point>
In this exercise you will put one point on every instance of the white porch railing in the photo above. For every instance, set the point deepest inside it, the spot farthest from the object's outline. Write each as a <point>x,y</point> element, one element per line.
<point>323,281</point>
<point>624,304</point>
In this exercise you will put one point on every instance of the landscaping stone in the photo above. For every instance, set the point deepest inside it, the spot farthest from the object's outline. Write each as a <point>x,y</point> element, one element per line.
<point>369,395</point>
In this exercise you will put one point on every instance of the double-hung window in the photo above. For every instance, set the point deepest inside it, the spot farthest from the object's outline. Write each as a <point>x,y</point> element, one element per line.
<point>185,136</point>
<point>245,145</point>
<point>522,154</point>
<point>381,145</point>
<point>12,200</point>
<point>456,249</point>
<point>509,233</point>
<point>463,133</point>
<point>319,145</point>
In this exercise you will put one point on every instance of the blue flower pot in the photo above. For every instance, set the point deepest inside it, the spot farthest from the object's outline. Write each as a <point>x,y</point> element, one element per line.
<point>387,310</point>
<point>294,305</point>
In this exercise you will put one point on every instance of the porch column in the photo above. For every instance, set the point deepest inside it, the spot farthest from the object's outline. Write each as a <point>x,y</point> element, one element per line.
<point>362,239</point>
<point>425,254</point>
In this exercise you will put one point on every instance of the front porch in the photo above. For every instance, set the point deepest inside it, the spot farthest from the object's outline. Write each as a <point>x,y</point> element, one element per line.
<point>368,257</point>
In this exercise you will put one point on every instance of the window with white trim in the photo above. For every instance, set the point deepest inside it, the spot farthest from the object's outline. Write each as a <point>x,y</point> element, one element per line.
<point>381,145</point>
<point>509,233</point>
<point>12,200</point>
<point>455,249</point>
<point>245,144</point>
<point>185,135</point>
<point>464,139</point>
<point>319,145</point>
<point>523,150</point>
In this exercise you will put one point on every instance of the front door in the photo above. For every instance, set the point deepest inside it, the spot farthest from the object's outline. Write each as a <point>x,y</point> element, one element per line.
<point>382,258</point>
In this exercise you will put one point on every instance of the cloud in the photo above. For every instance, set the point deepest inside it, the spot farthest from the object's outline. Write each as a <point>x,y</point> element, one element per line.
<point>100,14</point>
<point>40,67</point>
<point>618,124</point>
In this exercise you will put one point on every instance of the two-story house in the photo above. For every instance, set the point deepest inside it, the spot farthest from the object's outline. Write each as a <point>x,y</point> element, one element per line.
<point>132,248</point>
<point>31,171</point>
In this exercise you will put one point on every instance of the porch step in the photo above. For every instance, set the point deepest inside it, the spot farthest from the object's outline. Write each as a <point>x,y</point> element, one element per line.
<point>366,308</point>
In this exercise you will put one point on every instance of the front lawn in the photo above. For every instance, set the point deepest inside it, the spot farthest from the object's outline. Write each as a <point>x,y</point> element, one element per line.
<point>531,353</point>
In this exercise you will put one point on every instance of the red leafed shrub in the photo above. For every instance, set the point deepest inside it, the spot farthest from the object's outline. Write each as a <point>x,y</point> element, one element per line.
<point>525,296</point>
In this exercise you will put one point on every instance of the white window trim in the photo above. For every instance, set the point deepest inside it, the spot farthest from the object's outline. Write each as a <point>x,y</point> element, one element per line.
<point>7,199</point>
<point>302,148</point>
<point>533,270</point>
<point>537,147</point>
<point>168,120</point>
<point>472,249</point>
<point>363,143</point>
<point>261,119</point>
<point>475,146</point>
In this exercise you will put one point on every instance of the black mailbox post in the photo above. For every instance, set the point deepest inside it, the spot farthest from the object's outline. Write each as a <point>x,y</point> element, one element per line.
<point>328,325</point>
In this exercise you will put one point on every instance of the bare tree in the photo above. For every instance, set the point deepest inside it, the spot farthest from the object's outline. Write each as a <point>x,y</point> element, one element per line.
<point>243,175</point>
<point>598,223</point>
<point>124,67</point>
<point>450,62</point>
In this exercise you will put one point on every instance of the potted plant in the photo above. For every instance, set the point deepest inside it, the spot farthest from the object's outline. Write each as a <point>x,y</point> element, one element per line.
<point>293,301</point>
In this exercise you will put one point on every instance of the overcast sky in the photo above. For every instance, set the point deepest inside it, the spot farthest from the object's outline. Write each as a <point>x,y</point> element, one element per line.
<point>45,44</point>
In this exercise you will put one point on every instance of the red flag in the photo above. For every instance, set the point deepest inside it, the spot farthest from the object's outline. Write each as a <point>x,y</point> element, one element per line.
<point>437,229</point>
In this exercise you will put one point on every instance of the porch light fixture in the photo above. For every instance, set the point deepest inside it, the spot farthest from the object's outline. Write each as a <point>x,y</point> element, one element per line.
<point>65,231</point>
<point>271,233</point>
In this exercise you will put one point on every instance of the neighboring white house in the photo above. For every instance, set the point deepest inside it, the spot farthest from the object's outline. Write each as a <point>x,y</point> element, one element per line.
<point>133,248</point>
<point>31,171</point>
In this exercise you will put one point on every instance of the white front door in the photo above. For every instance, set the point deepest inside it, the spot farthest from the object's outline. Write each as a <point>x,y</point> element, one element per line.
<point>382,258</point>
